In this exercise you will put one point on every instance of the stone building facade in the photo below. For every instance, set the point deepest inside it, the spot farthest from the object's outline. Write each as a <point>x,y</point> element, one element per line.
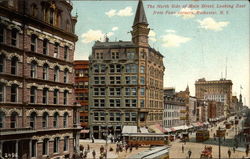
<point>126,82</point>
<point>216,90</point>
<point>38,117</point>
<point>82,93</point>
<point>175,109</point>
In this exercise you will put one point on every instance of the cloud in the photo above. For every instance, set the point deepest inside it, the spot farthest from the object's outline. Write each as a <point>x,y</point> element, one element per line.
<point>125,12</point>
<point>111,13</point>
<point>170,31</point>
<point>122,13</point>
<point>152,35</point>
<point>187,13</point>
<point>93,35</point>
<point>173,40</point>
<point>115,28</point>
<point>210,24</point>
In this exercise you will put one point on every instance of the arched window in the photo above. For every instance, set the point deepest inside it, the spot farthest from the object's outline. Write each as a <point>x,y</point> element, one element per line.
<point>33,44</point>
<point>45,146</point>
<point>65,119</point>
<point>45,46</point>
<point>55,120</point>
<point>56,95</point>
<point>2,92</point>
<point>45,95</point>
<point>66,52</point>
<point>33,120</point>
<point>13,120</point>
<point>33,69</point>
<point>34,10</point>
<point>2,117</point>
<point>65,76</point>
<point>14,37</point>
<point>13,93</point>
<point>51,16</point>
<point>56,74</point>
<point>56,50</point>
<point>45,120</point>
<point>2,63</point>
<point>33,94</point>
<point>14,61</point>
<point>45,71</point>
<point>65,97</point>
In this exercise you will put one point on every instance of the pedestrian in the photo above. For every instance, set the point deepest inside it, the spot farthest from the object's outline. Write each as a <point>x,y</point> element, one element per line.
<point>93,153</point>
<point>247,151</point>
<point>131,148</point>
<point>85,154</point>
<point>229,153</point>
<point>126,148</point>
<point>234,149</point>
<point>88,148</point>
<point>189,153</point>
<point>182,148</point>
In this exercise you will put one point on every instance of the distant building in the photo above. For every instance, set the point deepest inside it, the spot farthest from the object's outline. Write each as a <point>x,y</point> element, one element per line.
<point>82,93</point>
<point>126,82</point>
<point>175,110</point>
<point>201,111</point>
<point>216,90</point>
<point>192,106</point>
<point>37,113</point>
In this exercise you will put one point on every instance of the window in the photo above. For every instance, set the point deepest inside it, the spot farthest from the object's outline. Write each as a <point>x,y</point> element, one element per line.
<point>133,116</point>
<point>1,34</point>
<point>55,120</point>
<point>111,117</point>
<point>14,36</point>
<point>127,116</point>
<point>33,94</point>
<point>45,46</point>
<point>142,103</point>
<point>45,120</point>
<point>2,62</point>
<point>115,80</point>
<point>34,10</point>
<point>13,120</point>
<point>56,50</point>
<point>32,120</point>
<point>45,95</point>
<point>103,68</point>
<point>33,69</point>
<point>131,80</point>
<point>13,93</point>
<point>45,146</point>
<point>142,90</point>
<point>115,103</point>
<point>2,121</point>
<point>45,71</point>
<point>142,69</point>
<point>56,74</point>
<point>118,116</point>
<point>99,91</point>
<point>51,16</point>
<point>33,148</point>
<point>66,50</point>
<point>131,68</point>
<point>2,94</point>
<point>56,95</point>
<point>99,102</point>
<point>96,116</point>
<point>65,120</point>
<point>65,97</point>
<point>33,43</point>
<point>65,76</point>
<point>112,68</point>
<point>56,144</point>
<point>14,61</point>
<point>130,55</point>
<point>115,55</point>
<point>66,143</point>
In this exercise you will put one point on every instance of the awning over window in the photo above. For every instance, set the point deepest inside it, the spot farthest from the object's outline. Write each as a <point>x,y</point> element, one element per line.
<point>84,131</point>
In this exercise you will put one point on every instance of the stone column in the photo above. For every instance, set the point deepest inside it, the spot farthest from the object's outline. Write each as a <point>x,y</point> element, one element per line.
<point>16,153</point>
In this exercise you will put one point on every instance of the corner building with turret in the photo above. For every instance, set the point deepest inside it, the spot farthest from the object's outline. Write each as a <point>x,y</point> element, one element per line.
<point>126,82</point>
<point>38,116</point>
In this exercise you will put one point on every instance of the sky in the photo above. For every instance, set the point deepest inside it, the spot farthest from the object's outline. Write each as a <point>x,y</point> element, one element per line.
<point>198,39</point>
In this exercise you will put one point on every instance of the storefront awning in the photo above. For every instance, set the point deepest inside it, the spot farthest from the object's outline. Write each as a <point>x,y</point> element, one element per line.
<point>129,129</point>
<point>84,131</point>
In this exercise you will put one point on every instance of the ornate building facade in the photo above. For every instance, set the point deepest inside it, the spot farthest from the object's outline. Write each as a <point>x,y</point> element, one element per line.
<point>38,116</point>
<point>126,82</point>
<point>216,90</point>
<point>81,93</point>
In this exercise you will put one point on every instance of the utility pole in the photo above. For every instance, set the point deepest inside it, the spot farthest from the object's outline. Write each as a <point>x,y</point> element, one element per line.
<point>219,134</point>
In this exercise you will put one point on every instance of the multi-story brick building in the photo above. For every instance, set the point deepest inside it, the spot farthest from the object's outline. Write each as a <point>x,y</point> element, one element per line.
<point>126,82</point>
<point>216,90</point>
<point>38,117</point>
<point>175,109</point>
<point>81,93</point>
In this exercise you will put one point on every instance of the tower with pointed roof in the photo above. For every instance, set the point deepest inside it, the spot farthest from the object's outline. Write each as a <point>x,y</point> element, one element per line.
<point>140,27</point>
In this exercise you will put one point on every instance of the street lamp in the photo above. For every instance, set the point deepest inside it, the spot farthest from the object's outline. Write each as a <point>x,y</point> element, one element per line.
<point>220,133</point>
